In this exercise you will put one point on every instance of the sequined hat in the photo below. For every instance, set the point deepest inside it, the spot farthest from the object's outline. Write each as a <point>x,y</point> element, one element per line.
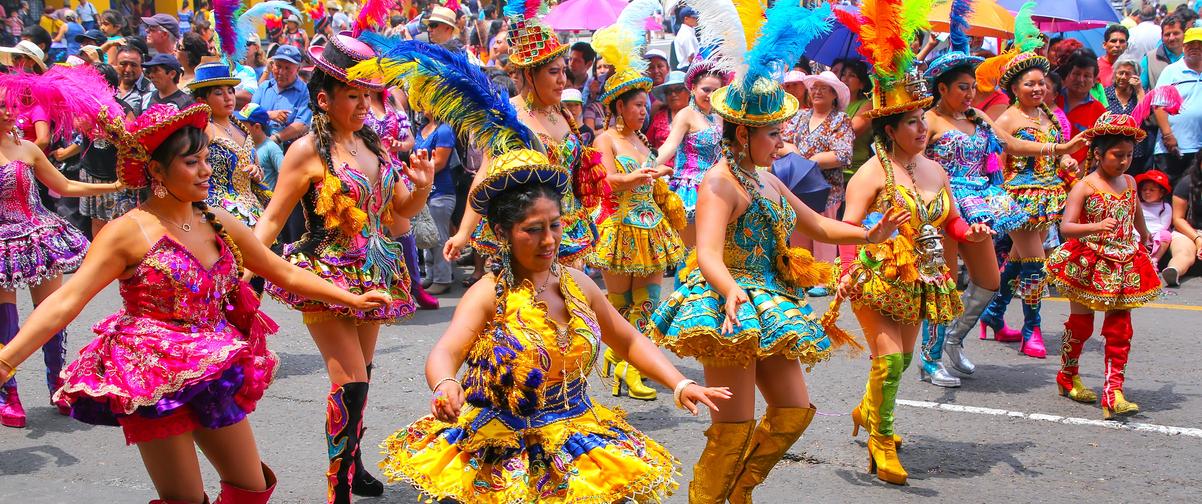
<point>137,140</point>
<point>515,168</point>
<point>887,39</point>
<point>958,55</point>
<point>530,42</point>
<point>1115,124</point>
<point>213,74</point>
<point>340,53</point>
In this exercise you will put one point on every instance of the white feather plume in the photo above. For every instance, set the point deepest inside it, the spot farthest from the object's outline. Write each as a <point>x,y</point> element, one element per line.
<point>719,26</point>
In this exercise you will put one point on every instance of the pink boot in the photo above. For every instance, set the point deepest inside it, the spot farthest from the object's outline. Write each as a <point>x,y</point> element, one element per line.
<point>1033,346</point>
<point>231,494</point>
<point>1005,334</point>
<point>424,300</point>
<point>12,414</point>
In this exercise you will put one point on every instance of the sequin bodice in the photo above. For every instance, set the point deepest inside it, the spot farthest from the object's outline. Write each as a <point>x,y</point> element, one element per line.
<point>698,152</point>
<point>961,154</point>
<point>1103,204</point>
<point>637,204</point>
<point>230,186</point>
<point>393,126</point>
<point>1041,169</point>
<point>751,243</point>
<point>171,286</point>
<point>19,201</point>
<point>568,153</point>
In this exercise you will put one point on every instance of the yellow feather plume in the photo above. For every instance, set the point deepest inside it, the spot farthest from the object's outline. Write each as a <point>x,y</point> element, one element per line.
<point>751,15</point>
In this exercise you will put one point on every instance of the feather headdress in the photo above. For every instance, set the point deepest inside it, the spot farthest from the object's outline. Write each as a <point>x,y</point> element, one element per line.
<point>73,98</point>
<point>887,29</point>
<point>721,29</point>
<point>999,70</point>
<point>372,16</point>
<point>525,9</point>
<point>958,56</point>
<point>621,45</point>
<point>234,23</point>
<point>755,97</point>
<point>448,87</point>
<point>316,10</point>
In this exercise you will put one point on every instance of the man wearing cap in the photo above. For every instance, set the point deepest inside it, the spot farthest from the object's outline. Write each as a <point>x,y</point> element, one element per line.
<point>1181,134</point>
<point>163,72</point>
<point>657,71</point>
<point>285,97</point>
<point>25,56</point>
<point>132,87</point>
<point>441,25</point>
<point>684,44</point>
<point>162,31</point>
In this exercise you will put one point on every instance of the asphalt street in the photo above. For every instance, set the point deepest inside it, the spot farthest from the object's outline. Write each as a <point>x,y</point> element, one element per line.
<point>1004,436</point>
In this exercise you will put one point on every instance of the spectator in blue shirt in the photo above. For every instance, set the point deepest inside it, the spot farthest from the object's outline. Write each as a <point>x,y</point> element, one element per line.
<point>439,140</point>
<point>285,97</point>
<point>268,153</point>
<point>1181,134</point>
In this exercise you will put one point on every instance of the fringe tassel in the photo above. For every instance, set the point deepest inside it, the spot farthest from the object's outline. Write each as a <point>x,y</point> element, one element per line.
<point>670,204</point>
<point>588,183</point>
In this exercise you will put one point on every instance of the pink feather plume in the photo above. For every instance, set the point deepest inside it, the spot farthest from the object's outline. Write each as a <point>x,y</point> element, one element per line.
<point>372,15</point>
<point>225,14</point>
<point>71,97</point>
<point>1163,96</point>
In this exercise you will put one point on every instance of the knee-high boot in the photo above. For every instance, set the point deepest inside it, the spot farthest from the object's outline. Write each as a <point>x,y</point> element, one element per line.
<point>931,357</point>
<point>777,431</point>
<point>993,317</point>
<point>12,412</point>
<point>54,355</point>
<point>881,397</point>
<point>1031,289</point>
<point>364,483</point>
<point>974,299</point>
<point>424,300</point>
<point>1116,328</point>
<point>344,419</point>
<point>231,494</point>
<point>715,471</point>
<point>1077,329</point>
<point>621,302</point>
<point>643,302</point>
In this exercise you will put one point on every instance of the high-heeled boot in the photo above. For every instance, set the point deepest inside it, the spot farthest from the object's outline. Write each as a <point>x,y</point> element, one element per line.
<point>930,357</point>
<point>12,412</point>
<point>54,355</point>
<point>993,317</point>
<point>1077,329</point>
<point>1116,328</point>
<point>621,302</point>
<point>777,431</point>
<point>860,416</point>
<point>974,299</point>
<point>423,299</point>
<point>881,398</point>
<point>643,301</point>
<point>1031,290</point>
<point>231,494</point>
<point>344,419</point>
<point>364,484</point>
<point>715,471</point>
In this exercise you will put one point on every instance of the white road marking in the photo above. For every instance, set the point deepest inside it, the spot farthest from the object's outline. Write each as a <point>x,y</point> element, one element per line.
<point>1042,417</point>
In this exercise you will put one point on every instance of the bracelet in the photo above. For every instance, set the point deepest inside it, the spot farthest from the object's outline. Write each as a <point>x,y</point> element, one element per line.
<point>680,386</point>
<point>868,237</point>
<point>424,188</point>
<point>444,380</point>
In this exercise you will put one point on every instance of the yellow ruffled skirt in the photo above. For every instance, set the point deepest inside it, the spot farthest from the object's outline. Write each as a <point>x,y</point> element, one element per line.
<point>644,249</point>
<point>593,457</point>
<point>890,285</point>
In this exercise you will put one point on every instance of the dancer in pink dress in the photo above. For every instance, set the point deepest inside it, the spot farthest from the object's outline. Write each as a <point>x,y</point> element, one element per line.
<point>186,360</point>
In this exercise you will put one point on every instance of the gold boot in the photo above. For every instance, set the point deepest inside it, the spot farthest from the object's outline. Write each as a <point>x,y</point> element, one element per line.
<point>859,420</point>
<point>1120,406</point>
<point>625,374</point>
<point>621,302</point>
<point>1079,392</point>
<point>882,458</point>
<point>611,362</point>
<point>715,471</point>
<point>777,431</point>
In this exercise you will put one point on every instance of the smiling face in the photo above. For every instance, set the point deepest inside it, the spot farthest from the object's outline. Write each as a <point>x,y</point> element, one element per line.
<point>1029,88</point>
<point>702,90</point>
<point>534,239</point>
<point>1171,36</point>
<point>185,176</point>
<point>346,106</point>
<point>759,145</point>
<point>909,136</point>
<point>822,97</point>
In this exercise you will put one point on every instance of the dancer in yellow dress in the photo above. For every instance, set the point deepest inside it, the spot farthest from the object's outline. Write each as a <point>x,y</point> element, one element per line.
<point>529,334</point>
<point>639,239</point>
<point>897,284</point>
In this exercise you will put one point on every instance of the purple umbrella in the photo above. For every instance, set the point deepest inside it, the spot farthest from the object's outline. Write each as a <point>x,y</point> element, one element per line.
<point>1067,15</point>
<point>839,43</point>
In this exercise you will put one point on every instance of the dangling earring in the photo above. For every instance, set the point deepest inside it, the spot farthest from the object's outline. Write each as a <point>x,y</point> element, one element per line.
<point>618,125</point>
<point>157,189</point>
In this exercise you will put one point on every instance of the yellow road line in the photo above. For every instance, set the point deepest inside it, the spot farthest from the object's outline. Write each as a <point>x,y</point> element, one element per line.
<point>1163,306</point>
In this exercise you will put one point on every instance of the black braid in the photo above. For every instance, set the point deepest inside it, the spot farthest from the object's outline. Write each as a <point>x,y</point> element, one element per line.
<point>221,232</point>
<point>654,151</point>
<point>322,138</point>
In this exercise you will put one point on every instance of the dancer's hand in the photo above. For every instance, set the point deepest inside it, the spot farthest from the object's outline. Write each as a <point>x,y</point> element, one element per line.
<point>454,246</point>
<point>734,299</point>
<point>420,169</point>
<point>894,218</point>
<point>694,393</point>
<point>846,289</point>
<point>979,232</point>
<point>1107,225</point>
<point>447,401</point>
<point>371,300</point>
<point>663,170</point>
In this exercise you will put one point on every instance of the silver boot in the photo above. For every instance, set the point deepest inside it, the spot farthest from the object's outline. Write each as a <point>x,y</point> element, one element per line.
<point>975,299</point>
<point>930,367</point>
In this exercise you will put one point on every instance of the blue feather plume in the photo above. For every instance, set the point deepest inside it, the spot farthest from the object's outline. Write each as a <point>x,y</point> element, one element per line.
<point>958,25</point>
<point>783,38</point>
<point>251,17</point>
<point>448,87</point>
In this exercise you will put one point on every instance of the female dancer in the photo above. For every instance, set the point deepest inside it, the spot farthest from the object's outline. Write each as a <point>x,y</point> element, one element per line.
<point>963,139</point>
<point>695,140</point>
<point>350,191</point>
<point>897,284</point>
<point>171,388</point>
<point>1034,183</point>
<point>536,52</point>
<point>529,333</point>
<point>236,185</point>
<point>1103,265</point>
<point>638,241</point>
<point>36,245</point>
<point>741,310</point>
